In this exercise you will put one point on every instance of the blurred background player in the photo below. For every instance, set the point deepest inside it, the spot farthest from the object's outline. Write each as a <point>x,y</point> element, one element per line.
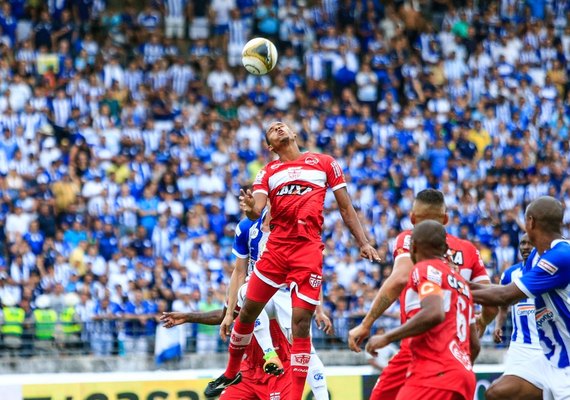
<point>440,323</point>
<point>525,343</point>
<point>428,205</point>
<point>548,282</point>
<point>295,184</point>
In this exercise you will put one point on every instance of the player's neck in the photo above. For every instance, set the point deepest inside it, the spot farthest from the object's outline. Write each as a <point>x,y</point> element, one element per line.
<point>545,240</point>
<point>290,153</point>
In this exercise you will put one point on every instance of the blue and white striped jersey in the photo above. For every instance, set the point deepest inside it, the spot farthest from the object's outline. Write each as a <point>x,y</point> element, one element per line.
<point>522,313</point>
<point>548,282</point>
<point>250,240</point>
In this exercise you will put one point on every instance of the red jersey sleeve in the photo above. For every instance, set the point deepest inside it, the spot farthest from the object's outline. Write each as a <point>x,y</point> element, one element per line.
<point>261,182</point>
<point>477,265</point>
<point>402,244</point>
<point>426,279</point>
<point>335,176</point>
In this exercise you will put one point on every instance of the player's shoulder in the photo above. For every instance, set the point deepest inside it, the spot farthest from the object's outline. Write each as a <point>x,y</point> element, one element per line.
<point>507,275</point>
<point>244,226</point>
<point>460,244</point>
<point>433,270</point>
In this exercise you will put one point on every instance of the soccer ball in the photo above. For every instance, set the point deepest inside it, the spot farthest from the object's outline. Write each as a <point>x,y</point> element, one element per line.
<point>259,56</point>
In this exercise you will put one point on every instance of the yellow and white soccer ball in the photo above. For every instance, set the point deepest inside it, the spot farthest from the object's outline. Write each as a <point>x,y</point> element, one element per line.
<point>259,56</point>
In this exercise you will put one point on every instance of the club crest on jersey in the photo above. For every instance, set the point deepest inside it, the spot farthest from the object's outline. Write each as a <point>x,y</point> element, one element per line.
<point>547,267</point>
<point>311,160</point>
<point>294,172</point>
<point>315,280</point>
<point>254,233</point>
<point>275,396</point>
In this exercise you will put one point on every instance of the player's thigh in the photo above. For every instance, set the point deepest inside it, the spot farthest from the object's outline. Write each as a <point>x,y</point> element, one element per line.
<point>557,383</point>
<point>392,377</point>
<point>245,390</point>
<point>282,308</point>
<point>512,387</point>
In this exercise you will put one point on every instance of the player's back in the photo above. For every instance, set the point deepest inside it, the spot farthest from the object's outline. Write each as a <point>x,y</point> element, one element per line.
<point>441,356</point>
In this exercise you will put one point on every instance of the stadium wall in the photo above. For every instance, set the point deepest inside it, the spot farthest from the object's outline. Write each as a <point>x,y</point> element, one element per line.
<point>354,383</point>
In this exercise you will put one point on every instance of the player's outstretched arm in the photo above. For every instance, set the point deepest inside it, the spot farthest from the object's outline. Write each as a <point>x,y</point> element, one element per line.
<point>387,294</point>
<point>496,295</point>
<point>431,314</point>
<point>236,280</point>
<point>350,218</point>
<point>170,319</point>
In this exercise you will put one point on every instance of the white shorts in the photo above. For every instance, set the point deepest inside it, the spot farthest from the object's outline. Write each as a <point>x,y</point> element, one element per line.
<point>518,357</point>
<point>279,307</point>
<point>554,382</point>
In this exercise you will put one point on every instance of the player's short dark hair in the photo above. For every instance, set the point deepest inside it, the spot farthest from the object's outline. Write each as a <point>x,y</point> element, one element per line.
<point>431,197</point>
<point>548,214</point>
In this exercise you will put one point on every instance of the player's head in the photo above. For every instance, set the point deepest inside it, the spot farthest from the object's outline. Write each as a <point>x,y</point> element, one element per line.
<point>543,216</point>
<point>279,135</point>
<point>428,241</point>
<point>525,247</point>
<point>429,205</point>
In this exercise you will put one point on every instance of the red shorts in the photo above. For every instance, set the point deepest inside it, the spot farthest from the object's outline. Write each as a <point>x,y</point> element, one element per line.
<point>276,387</point>
<point>394,375</point>
<point>298,265</point>
<point>408,392</point>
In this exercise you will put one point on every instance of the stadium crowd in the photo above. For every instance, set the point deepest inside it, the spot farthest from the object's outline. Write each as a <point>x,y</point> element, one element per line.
<point>128,132</point>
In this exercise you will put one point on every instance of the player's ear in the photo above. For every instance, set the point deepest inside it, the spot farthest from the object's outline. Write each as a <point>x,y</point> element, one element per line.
<point>413,218</point>
<point>445,219</point>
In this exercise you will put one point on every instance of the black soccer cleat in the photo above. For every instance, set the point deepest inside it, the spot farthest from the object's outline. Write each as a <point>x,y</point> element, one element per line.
<point>216,387</point>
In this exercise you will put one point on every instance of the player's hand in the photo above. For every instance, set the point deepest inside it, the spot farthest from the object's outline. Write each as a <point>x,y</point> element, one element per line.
<point>369,252</point>
<point>498,335</point>
<point>170,319</point>
<point>324,323</point>
<point>376,342</point>
<point>480,326</point>
<point>226,327</point>
<point>246,200</point>
<point>356,336</point>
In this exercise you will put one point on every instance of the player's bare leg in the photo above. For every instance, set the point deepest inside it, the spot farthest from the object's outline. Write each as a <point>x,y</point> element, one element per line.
<point>301,349</point>
<point>509,387</point>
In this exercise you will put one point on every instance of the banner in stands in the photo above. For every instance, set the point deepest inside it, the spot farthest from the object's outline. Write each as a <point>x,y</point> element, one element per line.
<point>341,387</point>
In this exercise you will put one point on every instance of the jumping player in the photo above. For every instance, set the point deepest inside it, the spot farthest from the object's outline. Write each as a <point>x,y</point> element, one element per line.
<point>548,283</point>
<point>428,205</point>
<point>440,322</point>
<point>525,344</point>
<point>295,184</point>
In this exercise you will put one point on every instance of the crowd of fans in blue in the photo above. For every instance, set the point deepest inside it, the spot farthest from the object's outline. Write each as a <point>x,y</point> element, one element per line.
<point>128,132</point>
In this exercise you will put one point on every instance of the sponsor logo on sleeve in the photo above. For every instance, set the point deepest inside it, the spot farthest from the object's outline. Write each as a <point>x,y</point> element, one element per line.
<point>434,275</point>
<point>259,177</point>
<point>547,267</point>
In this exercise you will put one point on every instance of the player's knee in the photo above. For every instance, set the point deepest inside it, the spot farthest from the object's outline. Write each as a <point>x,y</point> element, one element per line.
<point>249,312</point>
<point>301,327</point>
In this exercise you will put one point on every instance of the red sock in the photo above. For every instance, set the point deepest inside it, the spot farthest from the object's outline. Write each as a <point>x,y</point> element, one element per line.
<point>300,357</point>
<point>240,338</point>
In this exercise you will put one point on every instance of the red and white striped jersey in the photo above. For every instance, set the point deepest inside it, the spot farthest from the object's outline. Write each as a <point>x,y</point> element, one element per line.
<point>296,191</point>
